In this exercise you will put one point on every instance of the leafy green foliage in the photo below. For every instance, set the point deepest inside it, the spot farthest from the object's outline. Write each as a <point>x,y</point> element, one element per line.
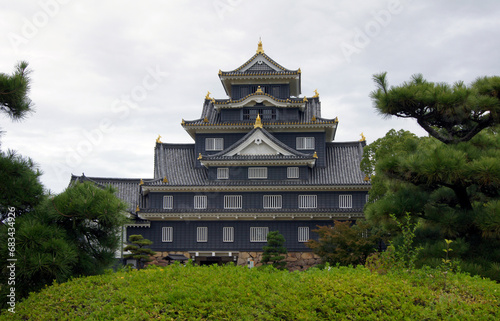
<point>20,185</point>
<point>451,114</point>
<point>344,243</point>
<point>274,252</point>
<point>451,180</point>
<point>138,251</point>
<point>92,218</point>
<point>239,293</point>
<point>14,90</point>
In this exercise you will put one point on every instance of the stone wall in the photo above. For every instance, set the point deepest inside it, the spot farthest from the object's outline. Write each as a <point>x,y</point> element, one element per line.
<point>295,260</point>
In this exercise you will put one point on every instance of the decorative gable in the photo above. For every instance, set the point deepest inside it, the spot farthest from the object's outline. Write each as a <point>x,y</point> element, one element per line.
<point>258,144</point>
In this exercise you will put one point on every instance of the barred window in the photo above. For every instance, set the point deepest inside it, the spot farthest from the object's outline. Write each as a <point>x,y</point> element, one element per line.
<point>202,234</point>
<point>257,172</point>
<point>292,172</point>
<point>214,144</point>
<point>305,142</point>
<point>272,201</point>
<point>167,234</point>
<point>228,234</point>
<point>168,202</point>
<point>345,201</point>
<point>303,233</point>
<point>308,201</point>
<point>200,201</point>
<point>232,201</point>
<point>223,173</point>
<point>258,234</point>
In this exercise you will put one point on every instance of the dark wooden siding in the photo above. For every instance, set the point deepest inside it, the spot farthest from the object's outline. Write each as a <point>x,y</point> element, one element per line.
<point>281,91</point>
<point>184,234</point>
<point>185,201</point>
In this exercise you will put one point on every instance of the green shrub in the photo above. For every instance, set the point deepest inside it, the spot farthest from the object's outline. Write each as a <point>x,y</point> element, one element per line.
<point>238,293</point>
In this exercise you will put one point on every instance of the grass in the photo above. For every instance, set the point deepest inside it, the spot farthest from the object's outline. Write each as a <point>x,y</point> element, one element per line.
<point>238,293</point>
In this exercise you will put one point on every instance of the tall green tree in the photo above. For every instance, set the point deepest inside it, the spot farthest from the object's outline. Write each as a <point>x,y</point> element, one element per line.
<point>450,181</point>
<point>14,89</point>
<point>274,252</point>
<point>92,217</point>
<point>20,185</point>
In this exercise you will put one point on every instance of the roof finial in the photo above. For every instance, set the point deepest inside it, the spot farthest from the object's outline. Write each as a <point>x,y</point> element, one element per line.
<point>363,138</point>
<point>258,123</point>
<point>158,139</point>
<point>207,96</point>
<point>259,90</point>
<point>316,94</point>
<point>259,47</point>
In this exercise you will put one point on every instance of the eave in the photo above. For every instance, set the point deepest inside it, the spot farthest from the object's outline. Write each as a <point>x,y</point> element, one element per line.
<point>253,188</point>
<point>260,98</point>
<point>271,162</point>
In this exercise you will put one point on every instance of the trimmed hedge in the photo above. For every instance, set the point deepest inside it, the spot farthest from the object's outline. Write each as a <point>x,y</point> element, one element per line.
<point>239,293</point>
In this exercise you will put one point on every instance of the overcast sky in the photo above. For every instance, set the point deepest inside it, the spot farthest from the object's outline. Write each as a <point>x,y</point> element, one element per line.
<point>110,76</point>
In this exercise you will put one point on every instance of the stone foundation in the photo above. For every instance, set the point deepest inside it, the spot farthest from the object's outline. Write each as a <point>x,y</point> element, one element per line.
<point>296,261</point>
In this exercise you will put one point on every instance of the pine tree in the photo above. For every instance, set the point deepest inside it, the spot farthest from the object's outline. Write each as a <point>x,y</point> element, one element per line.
<point>139,252</point>
<point>449,181</point>
<point>274,251</point>
<point>14,91</point>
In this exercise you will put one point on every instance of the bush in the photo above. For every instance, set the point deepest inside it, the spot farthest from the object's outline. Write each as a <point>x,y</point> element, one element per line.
<point>239,293</point>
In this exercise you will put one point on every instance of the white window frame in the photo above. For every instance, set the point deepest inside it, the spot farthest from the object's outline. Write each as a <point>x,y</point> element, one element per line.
<point>292,172</point>
<point>167,234</point>
<point>200,202</point>
<point>223,173</point>
<point>214,144</point>
<point>202,234</point>
<point>303,234</point>
<point>308,201</point>
<point>233,201</point>
<point>228,234</point>
<point>258,234</point>
<point>168,202</point>
<point>257,172</point>
<point>345,201</point>
<point>305,143</point>
<point>272,201</point>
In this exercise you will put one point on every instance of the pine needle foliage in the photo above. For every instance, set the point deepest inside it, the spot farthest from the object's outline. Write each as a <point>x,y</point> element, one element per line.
<point>138,250</point>
<point>275,251</point>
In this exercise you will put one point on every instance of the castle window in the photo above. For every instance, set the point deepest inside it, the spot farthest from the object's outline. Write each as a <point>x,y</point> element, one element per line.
<point>345,201</point>
<point>212,144</point>
<point>308,201</point>
<point>272,201</point>
<point>292,172</point>
<point>168,202</point>
<point>228,234</point>
<point>223,173</point>
<point>200,201</point>
<point>257,172</point>
<point>167,234</point>
<point>258,234</point>
<point>303,234</point>
<point>232,201</point>
<point>202,234</point>
<point>305,142</point>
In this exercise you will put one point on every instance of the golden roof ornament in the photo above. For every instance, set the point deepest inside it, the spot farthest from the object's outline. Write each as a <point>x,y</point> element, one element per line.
<point>366,179</point>
<point>137,208</point>
<point>158,141</point>
<point>258,123</point>
<point>298,71</point>
<point>141,182</point>
<point>205,120</point>
<point>165,180</point>
<point>199,156</point>
<point>220,72</point>
<point>316,94</point>
<point>315,155</point>
<point>336,119</point>
<point>259,90</point>
<point>305,99</point>
<point>313,118</point>
<point>208,95</point>
<point>363,138</point>
<point>260,50</point>
<point>183,122</point>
